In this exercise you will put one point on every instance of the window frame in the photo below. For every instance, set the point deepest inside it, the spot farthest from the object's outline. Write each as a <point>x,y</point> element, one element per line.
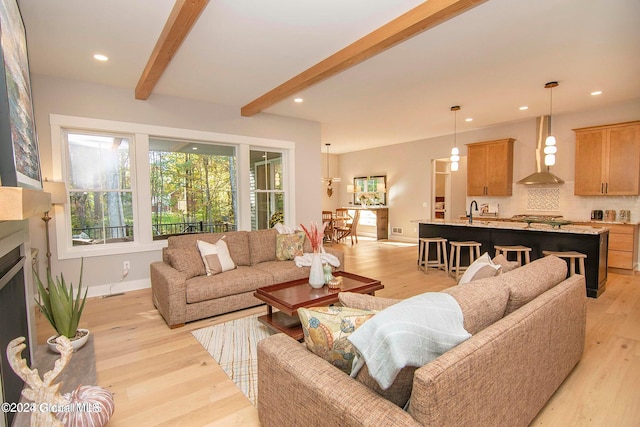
<point>140,173</point>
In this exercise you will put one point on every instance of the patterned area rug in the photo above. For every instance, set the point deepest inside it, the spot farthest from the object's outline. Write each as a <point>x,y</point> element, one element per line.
<point>234,346</point>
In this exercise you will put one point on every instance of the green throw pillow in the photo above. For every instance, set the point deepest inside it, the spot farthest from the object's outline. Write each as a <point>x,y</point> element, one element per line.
<point>289,246</point>
<point>326,330</point>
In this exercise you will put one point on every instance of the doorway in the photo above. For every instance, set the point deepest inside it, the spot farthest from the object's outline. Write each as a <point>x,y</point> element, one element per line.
<point>449,189</point>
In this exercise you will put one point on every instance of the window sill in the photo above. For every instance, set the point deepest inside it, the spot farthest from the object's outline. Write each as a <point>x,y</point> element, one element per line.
<point>88,251</point>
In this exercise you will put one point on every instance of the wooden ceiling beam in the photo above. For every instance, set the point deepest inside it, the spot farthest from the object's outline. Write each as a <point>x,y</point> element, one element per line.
<point>184,15</point>
<point>421,18</point>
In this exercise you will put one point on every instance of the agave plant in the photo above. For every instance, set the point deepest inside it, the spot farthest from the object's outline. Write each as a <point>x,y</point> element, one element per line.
<point>58,304</point>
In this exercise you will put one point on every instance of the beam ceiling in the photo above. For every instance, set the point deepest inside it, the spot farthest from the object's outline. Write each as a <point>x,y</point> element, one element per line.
<point>425,16</point>
<point>184,15</point>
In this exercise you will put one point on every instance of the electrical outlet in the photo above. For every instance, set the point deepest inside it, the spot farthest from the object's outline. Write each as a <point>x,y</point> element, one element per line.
<point>126,266</point>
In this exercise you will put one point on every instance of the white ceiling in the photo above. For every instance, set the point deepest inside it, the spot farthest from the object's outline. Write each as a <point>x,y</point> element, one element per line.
<point>490,60</point>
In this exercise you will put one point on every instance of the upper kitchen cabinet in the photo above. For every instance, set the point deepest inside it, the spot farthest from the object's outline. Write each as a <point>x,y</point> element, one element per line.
<point>608,160</point>
<point>490,168</point>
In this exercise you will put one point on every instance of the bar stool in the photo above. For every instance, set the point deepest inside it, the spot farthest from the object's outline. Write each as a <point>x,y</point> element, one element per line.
<point>571,256</point>
<point>518,249</point>
<point>454,260</point>
<point>440,262</point>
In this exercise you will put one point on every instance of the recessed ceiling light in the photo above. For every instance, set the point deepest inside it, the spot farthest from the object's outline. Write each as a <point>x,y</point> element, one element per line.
<point>596,93</point>
<point>298,100</point>
<point>100,57</point>
<point>524,107</point>
<point>468,119</point>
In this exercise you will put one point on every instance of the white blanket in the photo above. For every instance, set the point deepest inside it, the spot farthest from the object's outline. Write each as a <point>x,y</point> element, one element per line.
<point>412,332</point>
<point>305,260</point>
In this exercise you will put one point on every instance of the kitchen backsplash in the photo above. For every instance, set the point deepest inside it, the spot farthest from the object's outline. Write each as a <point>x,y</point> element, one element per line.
<point>559,200</point>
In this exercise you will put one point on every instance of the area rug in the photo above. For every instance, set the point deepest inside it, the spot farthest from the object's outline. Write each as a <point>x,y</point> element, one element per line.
<point>234,346</point>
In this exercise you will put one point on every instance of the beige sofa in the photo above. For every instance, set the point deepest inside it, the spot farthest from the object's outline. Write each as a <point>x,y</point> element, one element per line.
<point>528,331</point>
<point>182,292</point>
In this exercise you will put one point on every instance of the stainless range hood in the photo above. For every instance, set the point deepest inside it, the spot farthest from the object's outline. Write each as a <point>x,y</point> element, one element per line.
<point>541,176</point>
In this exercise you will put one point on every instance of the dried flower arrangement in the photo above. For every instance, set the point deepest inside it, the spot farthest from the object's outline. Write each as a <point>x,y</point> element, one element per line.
<point>315,235</point>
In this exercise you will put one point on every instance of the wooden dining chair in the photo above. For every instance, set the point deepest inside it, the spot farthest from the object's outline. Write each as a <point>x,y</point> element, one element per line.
<point>348,230</point>
<point>342,217</point>
<point>327,216</point>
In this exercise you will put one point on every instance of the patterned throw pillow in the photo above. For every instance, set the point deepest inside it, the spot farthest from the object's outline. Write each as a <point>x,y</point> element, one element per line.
<point>326,330</point>
<point>289,246</point>
<point>215,256</point>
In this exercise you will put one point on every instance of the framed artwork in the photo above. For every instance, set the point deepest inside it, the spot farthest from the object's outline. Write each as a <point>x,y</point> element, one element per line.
<point>19,157</point>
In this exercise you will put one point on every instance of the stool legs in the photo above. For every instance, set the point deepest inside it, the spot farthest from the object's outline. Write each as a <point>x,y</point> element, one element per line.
<point>441,254</point>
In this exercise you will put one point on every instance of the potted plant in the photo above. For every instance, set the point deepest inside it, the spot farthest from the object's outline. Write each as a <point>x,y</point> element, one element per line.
<point>62,310</point>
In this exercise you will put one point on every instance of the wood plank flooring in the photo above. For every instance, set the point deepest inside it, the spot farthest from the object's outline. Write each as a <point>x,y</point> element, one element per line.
<point>164,377</point>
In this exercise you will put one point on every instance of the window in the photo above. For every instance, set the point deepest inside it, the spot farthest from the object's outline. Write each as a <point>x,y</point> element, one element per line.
<point>131,185</point>
<point>370,190</point>
<point>267,194</point>
<point>193,187</point>
<point>100,190</point>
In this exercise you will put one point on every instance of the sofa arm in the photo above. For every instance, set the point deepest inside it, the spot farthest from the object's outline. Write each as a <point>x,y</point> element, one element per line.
<point>296,387</point>
<point>338,254</point>
<point>169,293</point>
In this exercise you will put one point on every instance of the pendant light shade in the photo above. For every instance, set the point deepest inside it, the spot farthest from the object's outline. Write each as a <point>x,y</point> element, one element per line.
<point>328,179</point>
<point>550,148</point>
<point>455,153</point>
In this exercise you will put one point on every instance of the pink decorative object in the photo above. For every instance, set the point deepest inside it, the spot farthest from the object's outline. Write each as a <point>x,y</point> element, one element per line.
<point>89,405</point>
<point>315,235</point>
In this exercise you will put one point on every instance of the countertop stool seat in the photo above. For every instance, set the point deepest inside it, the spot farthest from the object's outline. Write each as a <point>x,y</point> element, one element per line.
<point>454,259</point>
<point>518,249</point>
<point>571,256</point>
<point>440,263</point>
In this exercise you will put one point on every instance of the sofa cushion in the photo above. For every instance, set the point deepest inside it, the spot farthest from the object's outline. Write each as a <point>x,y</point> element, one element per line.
<point>364,301</point>
<point>530,280</point>
<point>186,260</point>
<point>482,302</point>
<point>283,271</point>
<point>237,242</point>
<point>326,330</point>
<point>262,245</point>
<point>399,392</point>
<point>216,257</point>
<point>242,279</point>
<point>289,246</point>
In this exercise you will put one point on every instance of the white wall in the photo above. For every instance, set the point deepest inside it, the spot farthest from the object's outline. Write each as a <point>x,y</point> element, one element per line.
<point>407,167</point>
<point>74,98</point>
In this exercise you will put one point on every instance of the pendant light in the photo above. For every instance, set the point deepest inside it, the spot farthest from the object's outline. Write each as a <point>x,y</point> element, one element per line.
<point>328,179</point>
<point>455,153</point>
<point>550,148</point>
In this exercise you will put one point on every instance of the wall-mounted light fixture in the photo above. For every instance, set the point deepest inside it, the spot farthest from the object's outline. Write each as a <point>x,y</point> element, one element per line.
<point>455,153</point>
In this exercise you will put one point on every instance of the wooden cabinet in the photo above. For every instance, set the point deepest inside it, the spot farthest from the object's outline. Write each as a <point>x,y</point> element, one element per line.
<point>623,246</point>
<point>608,160</point>
<point>490,168</point>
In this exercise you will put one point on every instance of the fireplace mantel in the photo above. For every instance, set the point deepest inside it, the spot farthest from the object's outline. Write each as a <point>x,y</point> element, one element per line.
<point>17,203</point>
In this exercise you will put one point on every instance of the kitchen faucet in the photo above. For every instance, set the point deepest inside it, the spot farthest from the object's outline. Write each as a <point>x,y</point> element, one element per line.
<point>473,202</point>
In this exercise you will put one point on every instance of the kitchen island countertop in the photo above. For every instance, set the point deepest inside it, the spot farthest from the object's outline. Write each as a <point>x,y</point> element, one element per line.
<point>516,225</point>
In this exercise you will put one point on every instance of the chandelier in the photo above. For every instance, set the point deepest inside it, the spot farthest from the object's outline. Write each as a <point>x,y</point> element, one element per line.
<point>328,179</point>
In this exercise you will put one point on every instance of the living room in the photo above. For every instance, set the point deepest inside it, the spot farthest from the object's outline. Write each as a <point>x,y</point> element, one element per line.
<point>63,99</point>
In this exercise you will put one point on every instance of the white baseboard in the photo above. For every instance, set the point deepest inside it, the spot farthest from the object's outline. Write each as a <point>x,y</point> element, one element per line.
<point>116,288</point>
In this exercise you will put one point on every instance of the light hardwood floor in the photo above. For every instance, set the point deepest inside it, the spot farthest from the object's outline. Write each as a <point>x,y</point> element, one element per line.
<point>164,377</point>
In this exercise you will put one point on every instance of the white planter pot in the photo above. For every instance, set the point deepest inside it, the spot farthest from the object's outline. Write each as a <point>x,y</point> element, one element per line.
<point>75,344</point>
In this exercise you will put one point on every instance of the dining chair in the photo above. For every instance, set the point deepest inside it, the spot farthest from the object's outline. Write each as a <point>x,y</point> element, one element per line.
<point>342,217</point>
<point>350,229</point>
<point>327,216</point>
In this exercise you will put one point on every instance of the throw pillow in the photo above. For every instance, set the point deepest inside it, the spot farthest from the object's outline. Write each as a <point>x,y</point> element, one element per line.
<point>289,246</point>
<point>215,256</point>
<point>187,261</point>
<point>326,330</point>
<point>481,268</point>
<point>505,265</point>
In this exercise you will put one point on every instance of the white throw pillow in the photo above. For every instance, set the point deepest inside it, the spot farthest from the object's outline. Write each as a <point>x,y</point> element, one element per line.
<point>476,267</point>
<point>215,256</point>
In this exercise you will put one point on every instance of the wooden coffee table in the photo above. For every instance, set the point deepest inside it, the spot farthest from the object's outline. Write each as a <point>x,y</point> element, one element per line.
<point>288,297</point>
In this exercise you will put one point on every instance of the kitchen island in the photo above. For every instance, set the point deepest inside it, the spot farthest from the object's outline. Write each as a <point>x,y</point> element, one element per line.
<point>592,241</point>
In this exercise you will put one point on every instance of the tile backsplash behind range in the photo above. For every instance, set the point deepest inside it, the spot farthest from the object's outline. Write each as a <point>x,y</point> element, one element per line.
<point>543,199</point>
